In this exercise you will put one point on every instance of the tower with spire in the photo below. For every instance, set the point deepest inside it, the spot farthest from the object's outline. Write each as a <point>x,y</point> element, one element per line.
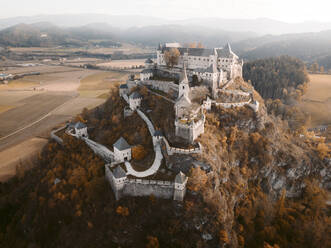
<point>183,87</point>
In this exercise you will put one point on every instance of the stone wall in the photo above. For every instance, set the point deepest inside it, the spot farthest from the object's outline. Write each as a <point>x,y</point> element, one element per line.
<point>163,86</point>
<point>230,105</point>
<point>139,187</point>
<point>174,150</point>
<point>57,138</point>
<point>190,131</point>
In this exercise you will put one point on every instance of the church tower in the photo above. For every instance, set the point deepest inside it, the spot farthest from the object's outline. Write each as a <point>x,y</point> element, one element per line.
<point>184,87</point>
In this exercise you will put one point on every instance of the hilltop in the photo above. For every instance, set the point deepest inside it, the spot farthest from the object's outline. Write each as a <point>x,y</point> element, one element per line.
<point>241,202</point>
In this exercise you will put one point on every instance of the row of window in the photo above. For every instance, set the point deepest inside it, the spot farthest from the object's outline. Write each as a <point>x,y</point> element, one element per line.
<point>194,58</point>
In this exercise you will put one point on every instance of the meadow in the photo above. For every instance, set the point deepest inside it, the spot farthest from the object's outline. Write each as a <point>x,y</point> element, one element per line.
<point>317,100</point>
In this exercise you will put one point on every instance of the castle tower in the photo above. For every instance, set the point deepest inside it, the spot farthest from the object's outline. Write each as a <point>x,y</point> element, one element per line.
<point>184,87</point>
<point>180,186</point>
<point>117,179</point>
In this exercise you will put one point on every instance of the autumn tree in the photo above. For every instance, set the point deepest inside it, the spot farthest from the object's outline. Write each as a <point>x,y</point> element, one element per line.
<point>171,57</point>
<point>123,211</point>
<point>198,179</point>
<point>152,242</point>
<point>138,152</point>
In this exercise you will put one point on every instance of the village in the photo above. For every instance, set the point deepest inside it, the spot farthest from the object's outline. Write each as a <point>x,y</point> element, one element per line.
<point>217,70</point>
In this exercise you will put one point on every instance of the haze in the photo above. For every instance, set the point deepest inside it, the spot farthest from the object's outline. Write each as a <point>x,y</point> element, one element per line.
<point>283,10</point>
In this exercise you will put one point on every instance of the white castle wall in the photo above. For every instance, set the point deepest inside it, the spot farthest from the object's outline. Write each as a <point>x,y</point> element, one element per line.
<point>230,105</point>
<point>174,150</point>
<point>163,86</point>
<point>190,131</point>
<point>141,187</point>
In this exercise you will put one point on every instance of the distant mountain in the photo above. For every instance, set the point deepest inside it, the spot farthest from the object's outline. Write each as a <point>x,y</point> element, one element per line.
<point>47,34</point>
<point>152,35</point>
<point>260,26</point>
<point>310,47</point>
<point>75,20</point>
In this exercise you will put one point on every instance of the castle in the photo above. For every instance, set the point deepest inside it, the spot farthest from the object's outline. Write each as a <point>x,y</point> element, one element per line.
<point>214,65</point>
<point>216,69</point>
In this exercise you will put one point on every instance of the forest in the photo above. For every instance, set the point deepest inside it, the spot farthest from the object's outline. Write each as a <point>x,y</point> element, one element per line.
<point>276,77</point>
<point>281,81</point>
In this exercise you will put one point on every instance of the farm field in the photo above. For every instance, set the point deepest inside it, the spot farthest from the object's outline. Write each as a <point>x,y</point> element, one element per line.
<point>32,106</point>
<point>14,155</point>
<point>123,63</point>
<point>98,84</point>
<point>125,49</point>
<point>317,100</point>
<point>30,110</point>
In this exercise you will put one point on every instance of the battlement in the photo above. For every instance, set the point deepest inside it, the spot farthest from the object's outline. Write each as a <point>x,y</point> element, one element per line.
<point>124,186</point>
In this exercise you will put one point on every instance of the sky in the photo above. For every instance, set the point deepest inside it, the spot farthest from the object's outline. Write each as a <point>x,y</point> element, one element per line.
<point>283,10</point>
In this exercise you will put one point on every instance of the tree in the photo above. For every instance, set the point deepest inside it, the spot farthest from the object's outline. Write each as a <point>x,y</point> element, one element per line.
<point>153,242</point>
<point>224,238</point>
<point>171,57</point>
<point>123,211</point>
<point>139,152</point>
<point>198,179</point>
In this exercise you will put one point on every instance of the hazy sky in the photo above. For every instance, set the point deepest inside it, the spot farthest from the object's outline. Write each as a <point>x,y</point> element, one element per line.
<point>285,10</point>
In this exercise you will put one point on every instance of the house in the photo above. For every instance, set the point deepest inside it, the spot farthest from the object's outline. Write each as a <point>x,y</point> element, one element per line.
<point>124,89</point>
<point>146,74</point>
<point>135,100</point>
<point>149,63</point>
<point>122,150</point>
<point>81,130</point>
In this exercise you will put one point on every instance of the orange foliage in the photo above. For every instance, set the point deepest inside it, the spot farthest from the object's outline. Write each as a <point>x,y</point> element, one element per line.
<point>138,152</point>
<point>123,211</point>
<point>153,242</point>
<point>198,179</point>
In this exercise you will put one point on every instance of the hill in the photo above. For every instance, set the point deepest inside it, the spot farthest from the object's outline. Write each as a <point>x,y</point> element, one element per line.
<point>46,35</point>
<point>210,37</point>
<point>309,47</point>
<point>263,191</point>
<point>27,35</point>
<point>261,26</point>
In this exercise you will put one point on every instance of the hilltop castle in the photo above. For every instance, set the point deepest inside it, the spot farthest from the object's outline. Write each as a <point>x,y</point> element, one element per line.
<point>216,70</point>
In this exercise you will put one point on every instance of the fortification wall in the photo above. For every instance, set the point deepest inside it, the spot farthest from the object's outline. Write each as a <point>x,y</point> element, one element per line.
<point>57,138</point>
<point>174,150</point>
<point>230,105</point>
<point>235,92</point>
<point>164,86</point>
<point>160,189</point>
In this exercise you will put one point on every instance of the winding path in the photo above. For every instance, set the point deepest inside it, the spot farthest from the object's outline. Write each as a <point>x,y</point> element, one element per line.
<point>157,149</point>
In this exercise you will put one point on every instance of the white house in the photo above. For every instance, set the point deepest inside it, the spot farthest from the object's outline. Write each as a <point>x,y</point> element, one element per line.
<point>81,130</point>
<point>135,100</point>
<point>124,89</point>
<point>122,150</point>
<point>146,74</point>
